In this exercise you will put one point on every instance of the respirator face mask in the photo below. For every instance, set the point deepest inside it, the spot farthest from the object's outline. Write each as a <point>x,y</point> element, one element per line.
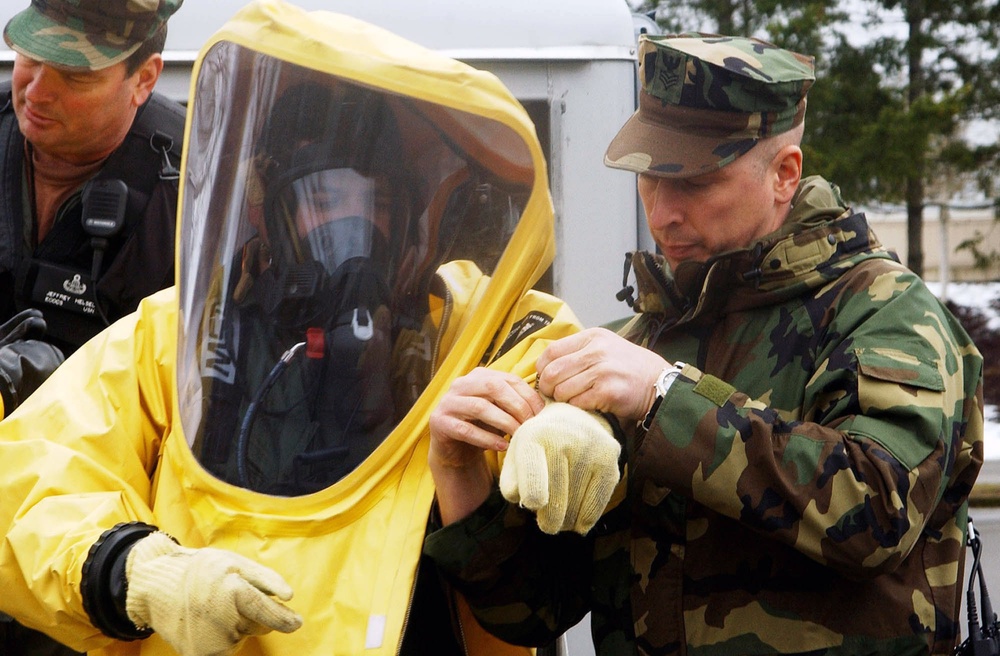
<point>337,214</point>
<point>328,242</point>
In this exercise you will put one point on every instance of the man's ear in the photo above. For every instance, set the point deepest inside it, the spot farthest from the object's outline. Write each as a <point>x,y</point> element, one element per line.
<point>145,78</point>
<point>787,165</point>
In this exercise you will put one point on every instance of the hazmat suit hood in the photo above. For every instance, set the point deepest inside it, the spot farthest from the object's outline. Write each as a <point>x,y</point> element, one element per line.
<point>325,181</point>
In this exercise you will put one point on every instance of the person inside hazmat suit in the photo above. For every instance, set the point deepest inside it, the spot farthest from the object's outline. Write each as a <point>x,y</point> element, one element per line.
<point>362,221</point>
<point>310,321</point>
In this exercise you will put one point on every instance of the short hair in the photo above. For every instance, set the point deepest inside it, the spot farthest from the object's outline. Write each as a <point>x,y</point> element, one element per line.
<point>765,151</point>
<point>151,46</point>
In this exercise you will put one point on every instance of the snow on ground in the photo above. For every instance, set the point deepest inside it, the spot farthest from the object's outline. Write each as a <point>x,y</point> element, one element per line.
<point>979,296</point>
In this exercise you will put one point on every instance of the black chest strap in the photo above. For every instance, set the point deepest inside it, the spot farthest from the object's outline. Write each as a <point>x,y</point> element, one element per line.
<point>11,166</point>
<point>150,153</point>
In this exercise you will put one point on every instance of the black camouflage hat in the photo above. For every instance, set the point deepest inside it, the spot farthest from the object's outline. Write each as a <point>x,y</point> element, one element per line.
<point>706,100</point>
<point>86,34</point>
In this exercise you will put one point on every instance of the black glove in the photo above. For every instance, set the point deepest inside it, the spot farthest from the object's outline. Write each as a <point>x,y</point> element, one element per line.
<point>26,324</point>
<point>25,362</point>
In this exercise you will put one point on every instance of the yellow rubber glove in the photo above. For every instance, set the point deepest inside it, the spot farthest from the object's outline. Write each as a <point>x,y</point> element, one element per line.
<point>203,602</point>
<point>563,464</point>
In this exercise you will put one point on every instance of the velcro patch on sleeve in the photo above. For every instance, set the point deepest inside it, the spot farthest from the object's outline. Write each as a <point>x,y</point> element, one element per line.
<point>714,389</point>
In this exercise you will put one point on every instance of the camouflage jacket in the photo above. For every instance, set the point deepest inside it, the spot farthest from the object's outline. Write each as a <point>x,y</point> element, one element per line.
<point>804,485</point>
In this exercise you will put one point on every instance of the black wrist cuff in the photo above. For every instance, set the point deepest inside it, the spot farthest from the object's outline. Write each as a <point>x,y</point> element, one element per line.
<point>104,586</point>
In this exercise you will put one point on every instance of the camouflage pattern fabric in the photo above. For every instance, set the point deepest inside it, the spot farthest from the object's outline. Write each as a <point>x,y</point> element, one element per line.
<point>86,34</point>
<point>727,74</point>
<point>705,100</point>
<point>804,487</point>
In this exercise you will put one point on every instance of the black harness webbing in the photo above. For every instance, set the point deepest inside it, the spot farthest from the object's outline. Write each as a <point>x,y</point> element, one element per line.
<point>11,167</point>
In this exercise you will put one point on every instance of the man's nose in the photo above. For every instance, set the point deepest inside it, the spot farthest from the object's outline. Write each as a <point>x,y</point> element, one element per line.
<point>43,85</point>
<point>663,206</point>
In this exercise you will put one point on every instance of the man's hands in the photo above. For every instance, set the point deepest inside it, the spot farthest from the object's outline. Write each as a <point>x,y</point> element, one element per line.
<point>203,602</point>
<point>567,453</point>
<point>563,464</point>
<point>595,369</point>
<point>479,409</point>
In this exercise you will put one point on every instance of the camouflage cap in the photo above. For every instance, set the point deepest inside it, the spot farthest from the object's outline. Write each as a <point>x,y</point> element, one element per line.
<point>86,34</point>
<point>706,100</point>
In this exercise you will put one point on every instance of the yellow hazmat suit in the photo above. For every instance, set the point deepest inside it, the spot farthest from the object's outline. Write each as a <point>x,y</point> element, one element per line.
<point>113,435</point>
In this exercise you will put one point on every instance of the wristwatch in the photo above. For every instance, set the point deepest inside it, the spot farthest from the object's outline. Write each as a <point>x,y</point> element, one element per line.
<point>660,386</point>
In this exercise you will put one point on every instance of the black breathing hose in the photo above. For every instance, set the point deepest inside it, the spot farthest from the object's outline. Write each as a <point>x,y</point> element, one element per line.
<point>251,414</point>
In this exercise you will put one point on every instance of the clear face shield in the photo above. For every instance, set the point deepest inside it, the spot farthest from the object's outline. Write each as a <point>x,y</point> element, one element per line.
<point>316,212</point>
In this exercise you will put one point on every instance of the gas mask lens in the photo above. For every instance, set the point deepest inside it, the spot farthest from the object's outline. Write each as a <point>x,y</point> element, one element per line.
<point>336,215</point>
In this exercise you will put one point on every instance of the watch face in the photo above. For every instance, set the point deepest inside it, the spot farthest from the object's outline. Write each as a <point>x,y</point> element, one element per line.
<point>666,378</point>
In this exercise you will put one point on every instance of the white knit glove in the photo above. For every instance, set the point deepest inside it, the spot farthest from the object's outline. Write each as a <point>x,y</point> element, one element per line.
<point>203,602</point>
<point>563,464</point>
